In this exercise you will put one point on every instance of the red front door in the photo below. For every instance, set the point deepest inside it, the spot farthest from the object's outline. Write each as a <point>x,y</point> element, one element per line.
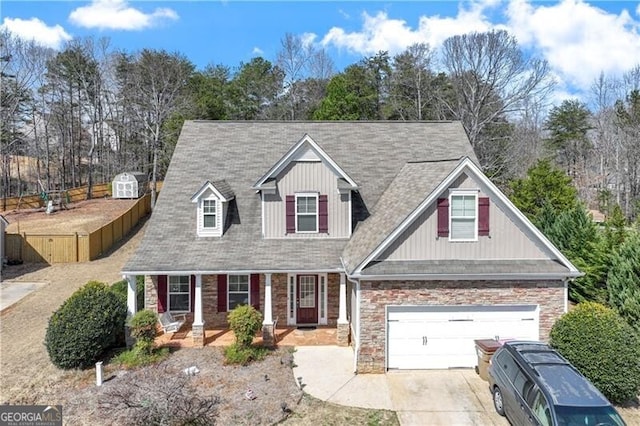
<point>307,299</point>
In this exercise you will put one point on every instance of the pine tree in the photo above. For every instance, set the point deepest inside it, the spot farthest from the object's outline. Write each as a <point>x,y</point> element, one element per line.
<point>623,280</point>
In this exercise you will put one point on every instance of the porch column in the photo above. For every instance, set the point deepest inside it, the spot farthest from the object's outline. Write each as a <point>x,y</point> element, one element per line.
<point>343,323</point>
<point>268,327</point>
<point>132,307</point>
<point>197,328</point>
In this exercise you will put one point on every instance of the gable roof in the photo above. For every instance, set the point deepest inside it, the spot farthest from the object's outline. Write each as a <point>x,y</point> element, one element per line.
<point>5,221</point>
<point>367,242</point>
<point>220,188</point>
<point>296,152</point>
<point>369,153</point>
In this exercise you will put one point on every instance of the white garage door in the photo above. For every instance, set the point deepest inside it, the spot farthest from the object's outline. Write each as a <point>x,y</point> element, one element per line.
<point>424,337</point>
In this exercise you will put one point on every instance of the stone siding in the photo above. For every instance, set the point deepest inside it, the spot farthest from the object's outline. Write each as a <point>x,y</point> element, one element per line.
<point>376,295</point>
<point>333,299</point>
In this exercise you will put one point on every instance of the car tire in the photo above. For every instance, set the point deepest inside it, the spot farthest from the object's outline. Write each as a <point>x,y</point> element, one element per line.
<point>498,402</point>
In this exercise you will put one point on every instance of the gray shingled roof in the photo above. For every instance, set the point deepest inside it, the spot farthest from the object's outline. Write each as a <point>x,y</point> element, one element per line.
<point>411,186</point>
<point>374,154</point>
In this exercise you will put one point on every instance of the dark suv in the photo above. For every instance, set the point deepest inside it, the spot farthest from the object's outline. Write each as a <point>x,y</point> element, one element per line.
<point>533,384</point>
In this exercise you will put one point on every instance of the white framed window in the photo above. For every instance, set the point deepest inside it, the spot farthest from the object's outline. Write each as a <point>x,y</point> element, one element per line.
<point>237,291</point>
<point>179,293</point>
<point>209,214</point>
<point>306,213</point>
<point>463,217</point>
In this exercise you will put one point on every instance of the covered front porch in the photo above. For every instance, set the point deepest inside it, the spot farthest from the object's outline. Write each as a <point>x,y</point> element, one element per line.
<point>290,302</point>
<point>284,336</point>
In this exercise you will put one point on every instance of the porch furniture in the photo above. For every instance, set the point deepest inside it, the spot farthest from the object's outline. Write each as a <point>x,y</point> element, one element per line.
<point>171,323</point>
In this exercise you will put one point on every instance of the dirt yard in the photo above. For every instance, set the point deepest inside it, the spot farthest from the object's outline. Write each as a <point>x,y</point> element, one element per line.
<point>28,377</point>
<point>84,216</point>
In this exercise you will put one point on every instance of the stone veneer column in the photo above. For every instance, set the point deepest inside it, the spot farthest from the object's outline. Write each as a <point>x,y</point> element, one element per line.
<point>343,323</point>
<point>268,328</point>
<point>197,328</point>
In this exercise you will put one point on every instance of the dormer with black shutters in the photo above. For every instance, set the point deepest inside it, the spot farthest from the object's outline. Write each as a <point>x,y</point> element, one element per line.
<point>306,194</point>
<point>212,203</point>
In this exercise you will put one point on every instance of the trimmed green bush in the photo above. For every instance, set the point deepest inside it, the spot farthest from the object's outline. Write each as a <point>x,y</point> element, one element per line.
<point>245,321</point>
<point>143,329</point>
<point>86,325</point>
<point>243,355</point>
<point>603,347</point>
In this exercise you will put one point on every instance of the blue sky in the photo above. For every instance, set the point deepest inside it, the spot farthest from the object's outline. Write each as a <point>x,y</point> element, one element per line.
<point>580,39</point>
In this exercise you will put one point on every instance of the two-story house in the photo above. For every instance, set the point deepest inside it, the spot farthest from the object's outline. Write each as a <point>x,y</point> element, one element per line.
<point>387,231</point>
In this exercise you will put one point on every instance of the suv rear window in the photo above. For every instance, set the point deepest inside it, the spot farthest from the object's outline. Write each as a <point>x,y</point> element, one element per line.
<point>588,416</point>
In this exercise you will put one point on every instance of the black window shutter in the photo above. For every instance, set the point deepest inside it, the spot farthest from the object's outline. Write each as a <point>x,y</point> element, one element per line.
<point>254,288</point>
<point>291,214</point>
<point>483,216</point>
<point>443,217</point>
<point>222,293</point>
<point>323,218</point>
<point>162,293</point>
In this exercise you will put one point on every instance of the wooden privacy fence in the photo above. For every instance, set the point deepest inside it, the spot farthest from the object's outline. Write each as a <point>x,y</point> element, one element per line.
<point>73,195</point>
<point>69,248</point>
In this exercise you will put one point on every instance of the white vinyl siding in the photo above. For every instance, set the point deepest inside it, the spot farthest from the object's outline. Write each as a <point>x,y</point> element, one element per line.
<point>179,293</point>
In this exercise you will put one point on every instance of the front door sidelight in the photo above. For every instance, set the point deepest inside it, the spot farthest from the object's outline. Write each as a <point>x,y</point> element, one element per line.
<point>307,299</point>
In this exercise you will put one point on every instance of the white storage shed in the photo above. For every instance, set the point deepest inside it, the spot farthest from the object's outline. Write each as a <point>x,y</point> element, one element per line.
<point>130,185</point>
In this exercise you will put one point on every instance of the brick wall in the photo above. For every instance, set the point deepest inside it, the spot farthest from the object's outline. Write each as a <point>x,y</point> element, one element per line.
<point>375,295</point>
<point>333,299</point>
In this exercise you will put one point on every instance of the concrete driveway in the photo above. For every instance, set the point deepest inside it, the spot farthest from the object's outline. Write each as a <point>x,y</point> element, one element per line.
<point>425,397</point>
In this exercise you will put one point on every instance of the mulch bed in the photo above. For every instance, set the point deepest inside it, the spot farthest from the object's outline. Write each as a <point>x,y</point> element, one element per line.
<point>273,388</point>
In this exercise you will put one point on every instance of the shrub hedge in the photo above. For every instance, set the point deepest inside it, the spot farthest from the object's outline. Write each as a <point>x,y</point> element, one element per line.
<point>85,326</point>
<point>603,347</point>
<point>245,321</point>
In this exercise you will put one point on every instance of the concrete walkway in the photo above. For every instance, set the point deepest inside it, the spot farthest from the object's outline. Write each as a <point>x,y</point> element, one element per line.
<point>425,397</point>
<point>13,291</point>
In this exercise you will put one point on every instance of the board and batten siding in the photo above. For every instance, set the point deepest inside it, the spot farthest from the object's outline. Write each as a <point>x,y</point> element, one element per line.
<point>313,177</point>
<point>505,241</point>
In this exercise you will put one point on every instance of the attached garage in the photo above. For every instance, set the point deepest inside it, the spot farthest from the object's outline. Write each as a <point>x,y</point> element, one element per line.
<point>441,336</point>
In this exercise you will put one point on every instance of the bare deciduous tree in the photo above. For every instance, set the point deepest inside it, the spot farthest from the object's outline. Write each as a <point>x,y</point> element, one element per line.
<point>492,79</point>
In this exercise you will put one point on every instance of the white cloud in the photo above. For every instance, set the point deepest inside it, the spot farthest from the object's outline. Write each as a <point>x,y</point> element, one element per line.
<point>257,51</point>
<point>36,30</point>
<point>579,40</point>
<point>118,15</point>
<point>308,39</point>
<point>379,32</point>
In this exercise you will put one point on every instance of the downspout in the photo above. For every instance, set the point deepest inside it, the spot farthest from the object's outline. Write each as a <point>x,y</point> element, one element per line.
<point>566,295</point>
<point>356,348</point>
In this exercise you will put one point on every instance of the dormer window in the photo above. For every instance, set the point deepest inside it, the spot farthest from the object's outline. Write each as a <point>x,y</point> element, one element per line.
<point>213,201</point>
<point>209,216</point>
